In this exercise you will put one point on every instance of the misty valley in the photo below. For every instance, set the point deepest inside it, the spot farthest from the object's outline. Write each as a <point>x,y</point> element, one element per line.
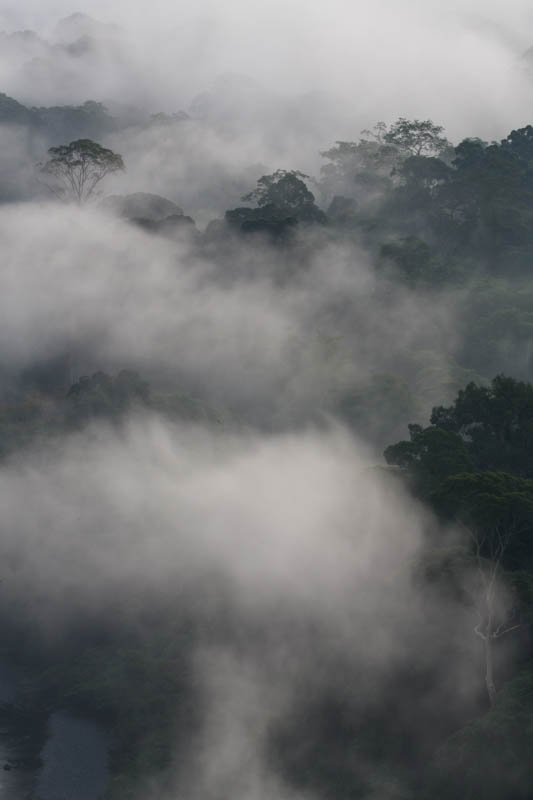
<point>266,404</point>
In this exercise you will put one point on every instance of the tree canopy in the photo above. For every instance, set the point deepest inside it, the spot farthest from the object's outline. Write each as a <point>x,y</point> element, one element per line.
<point>75,170</point>
<point>282,199</point>
<point>416,137</point>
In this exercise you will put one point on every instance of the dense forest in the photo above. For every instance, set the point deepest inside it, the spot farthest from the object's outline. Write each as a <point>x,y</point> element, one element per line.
<point>266,448</point>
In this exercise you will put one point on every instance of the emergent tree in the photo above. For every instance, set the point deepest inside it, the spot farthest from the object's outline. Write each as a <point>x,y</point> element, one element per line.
<point>495,509</point>
<point>74,170</point>
<point>416,137</point>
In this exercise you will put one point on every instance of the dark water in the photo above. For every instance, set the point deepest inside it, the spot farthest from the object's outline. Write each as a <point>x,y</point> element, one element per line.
<point>11,785</point>
<point>59,758</point>
<point>74,760</point>
<point>19,741</point>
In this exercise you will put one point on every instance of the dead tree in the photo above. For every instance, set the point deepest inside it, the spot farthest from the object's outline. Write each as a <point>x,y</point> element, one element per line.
<point>495,621</point>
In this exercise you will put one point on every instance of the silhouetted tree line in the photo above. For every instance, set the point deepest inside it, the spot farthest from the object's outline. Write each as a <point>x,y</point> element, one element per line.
<point>473,466</point>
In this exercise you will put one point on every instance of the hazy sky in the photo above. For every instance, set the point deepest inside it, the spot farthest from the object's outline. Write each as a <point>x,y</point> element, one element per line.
<point>457,63</point>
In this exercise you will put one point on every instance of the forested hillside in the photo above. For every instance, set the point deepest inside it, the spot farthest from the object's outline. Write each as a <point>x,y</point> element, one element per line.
<point>266,438</point>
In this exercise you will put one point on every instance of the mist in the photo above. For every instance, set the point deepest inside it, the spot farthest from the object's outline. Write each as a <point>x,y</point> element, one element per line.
<point>294,561</point>
<point>202,547</point>
<point>267,87</point>
<point>315,73</point>
<point>224,327</point>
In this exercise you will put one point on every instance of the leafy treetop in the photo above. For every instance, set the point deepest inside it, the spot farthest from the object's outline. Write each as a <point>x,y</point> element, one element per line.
<point>284,189</point>
<point>74,170</point>
<point>416,137</point>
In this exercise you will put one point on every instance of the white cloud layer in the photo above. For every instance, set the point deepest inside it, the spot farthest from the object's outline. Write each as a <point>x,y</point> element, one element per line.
<point>458,63</point>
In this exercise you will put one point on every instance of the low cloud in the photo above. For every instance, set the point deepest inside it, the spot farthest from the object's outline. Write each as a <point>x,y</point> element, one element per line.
<point>295,560</point>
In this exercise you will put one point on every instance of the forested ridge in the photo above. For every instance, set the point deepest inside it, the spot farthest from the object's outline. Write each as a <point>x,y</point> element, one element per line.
<point>369,329</point>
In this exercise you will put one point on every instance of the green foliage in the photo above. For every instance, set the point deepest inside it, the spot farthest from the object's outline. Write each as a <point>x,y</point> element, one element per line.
<point>282,189</point>
<point>469,154</point>
<point>89,120</point>
<point>434,221</point>
<point>496,423</point>
<point>496,507</point>
<point>282,200</point>
<point>138,687</point>
<point>473,202</point>
<point>492,756</point>
<point>286,191</point>
<point>456,463</point>
<point>430,456</point>
<point>13,113</point>
<point>269,220</point>
<point>495,182</point>
<point>497,326</point>
<point>411,257</point>
<point>424,174</point>
<point>363,168</point>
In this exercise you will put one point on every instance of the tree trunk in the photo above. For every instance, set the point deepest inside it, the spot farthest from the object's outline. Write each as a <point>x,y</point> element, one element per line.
<point>489,670</point>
